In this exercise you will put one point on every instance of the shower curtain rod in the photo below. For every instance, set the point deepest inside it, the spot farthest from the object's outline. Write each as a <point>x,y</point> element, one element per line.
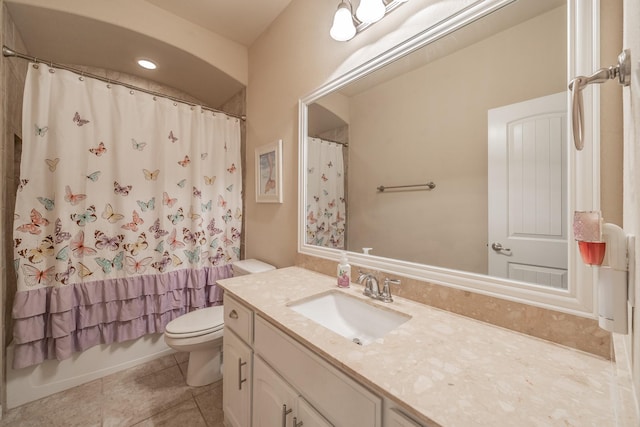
<point>12,53</point>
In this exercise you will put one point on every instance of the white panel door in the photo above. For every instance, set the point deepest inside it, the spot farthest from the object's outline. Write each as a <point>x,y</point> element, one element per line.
<point>527,182</point>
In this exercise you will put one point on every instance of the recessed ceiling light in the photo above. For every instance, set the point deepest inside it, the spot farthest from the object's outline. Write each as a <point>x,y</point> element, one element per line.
<point>145,63</point>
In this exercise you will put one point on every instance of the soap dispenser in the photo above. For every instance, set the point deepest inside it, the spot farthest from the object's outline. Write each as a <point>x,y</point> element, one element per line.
<point>344,272</point>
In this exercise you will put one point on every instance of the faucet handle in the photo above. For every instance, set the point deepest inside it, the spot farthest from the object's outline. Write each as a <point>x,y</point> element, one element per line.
<point>388,281</point>
<point>361,276</point>
<point>385,296</point>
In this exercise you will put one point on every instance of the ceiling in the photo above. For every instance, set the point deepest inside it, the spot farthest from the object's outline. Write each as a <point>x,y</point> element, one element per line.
<point>53,36</point>
<point>239,20</point>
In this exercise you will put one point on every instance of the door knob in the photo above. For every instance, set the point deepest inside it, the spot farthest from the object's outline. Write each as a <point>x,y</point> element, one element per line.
<point>498,247</point>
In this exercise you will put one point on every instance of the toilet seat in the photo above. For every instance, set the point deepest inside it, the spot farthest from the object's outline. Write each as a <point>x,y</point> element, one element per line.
<point>196,323</point>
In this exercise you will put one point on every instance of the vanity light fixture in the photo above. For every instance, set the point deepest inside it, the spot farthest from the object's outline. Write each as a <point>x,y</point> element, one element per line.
<point>343,27</point>
<point>346,24</point>
<point>145,63</point>
<point>370,11</point>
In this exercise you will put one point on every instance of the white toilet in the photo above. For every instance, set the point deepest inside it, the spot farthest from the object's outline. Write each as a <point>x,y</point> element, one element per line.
<point>200,333</point>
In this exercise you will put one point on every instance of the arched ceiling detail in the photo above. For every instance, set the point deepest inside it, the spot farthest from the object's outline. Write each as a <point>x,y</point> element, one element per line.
<point>114,34</point>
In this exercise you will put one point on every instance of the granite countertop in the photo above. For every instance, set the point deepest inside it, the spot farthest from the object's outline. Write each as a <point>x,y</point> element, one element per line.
<point>444,368</point>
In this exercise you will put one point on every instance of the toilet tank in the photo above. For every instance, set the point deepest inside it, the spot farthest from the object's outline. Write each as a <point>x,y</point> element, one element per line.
<point>250,266</point>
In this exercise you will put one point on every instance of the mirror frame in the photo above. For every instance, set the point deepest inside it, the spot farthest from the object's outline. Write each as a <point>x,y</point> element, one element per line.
<point>583,180</point>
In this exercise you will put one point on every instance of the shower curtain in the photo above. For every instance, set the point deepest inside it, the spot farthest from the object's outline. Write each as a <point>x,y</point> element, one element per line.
<point>127,212</point>
<point>326,207</point>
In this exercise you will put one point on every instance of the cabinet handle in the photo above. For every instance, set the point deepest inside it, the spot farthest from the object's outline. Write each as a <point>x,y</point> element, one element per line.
<point>233,314</point>
<point>285,412</point>
<point>240,380</point>
<point>296,423</point>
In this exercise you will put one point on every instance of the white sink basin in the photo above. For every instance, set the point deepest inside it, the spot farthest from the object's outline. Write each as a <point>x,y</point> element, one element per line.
<point>353,318</point>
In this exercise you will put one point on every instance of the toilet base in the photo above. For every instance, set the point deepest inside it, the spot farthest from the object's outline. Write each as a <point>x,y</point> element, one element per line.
<point>204,367</point>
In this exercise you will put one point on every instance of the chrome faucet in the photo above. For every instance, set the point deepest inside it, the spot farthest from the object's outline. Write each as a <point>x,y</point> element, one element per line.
<point>365,280</point>
<point>372,287</point>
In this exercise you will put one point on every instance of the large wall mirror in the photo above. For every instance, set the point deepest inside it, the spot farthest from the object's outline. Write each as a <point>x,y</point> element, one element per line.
<point>448,158</point>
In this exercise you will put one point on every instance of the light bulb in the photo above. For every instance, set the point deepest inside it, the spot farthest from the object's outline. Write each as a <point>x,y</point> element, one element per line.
<point>343,28</point>
<point>370,11</point>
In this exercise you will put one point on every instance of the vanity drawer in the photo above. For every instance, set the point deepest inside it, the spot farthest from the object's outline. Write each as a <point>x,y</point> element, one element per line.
<point>238,318</point>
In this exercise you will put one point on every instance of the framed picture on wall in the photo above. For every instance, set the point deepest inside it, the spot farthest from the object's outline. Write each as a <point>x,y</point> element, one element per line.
<point>269,173</point>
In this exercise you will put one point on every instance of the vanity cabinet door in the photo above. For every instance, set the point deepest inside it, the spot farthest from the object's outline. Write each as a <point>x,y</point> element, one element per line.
<point>308,416</point>
<point>340,399</point>
<point>236,383</point>
<point>395,418</point>
<point>273,399</point>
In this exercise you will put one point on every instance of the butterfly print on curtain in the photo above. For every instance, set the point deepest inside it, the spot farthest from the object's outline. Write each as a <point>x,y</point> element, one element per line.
<point>134,205</point>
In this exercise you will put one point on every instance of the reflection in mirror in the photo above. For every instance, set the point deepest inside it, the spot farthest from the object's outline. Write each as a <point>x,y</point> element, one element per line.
<point>326,207</point>
<point>480,112</point>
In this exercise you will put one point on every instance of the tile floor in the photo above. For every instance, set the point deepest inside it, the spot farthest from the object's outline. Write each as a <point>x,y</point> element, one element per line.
<point>152,394</point>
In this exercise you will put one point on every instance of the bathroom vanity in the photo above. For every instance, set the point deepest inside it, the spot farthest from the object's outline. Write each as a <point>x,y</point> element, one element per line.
<point>435,368</point>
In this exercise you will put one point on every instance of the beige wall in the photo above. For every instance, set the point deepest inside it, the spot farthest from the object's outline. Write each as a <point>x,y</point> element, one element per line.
<point>431,125</point>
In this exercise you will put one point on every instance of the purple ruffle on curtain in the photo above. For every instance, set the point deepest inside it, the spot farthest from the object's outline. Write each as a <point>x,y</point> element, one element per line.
<point>54,322</point>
